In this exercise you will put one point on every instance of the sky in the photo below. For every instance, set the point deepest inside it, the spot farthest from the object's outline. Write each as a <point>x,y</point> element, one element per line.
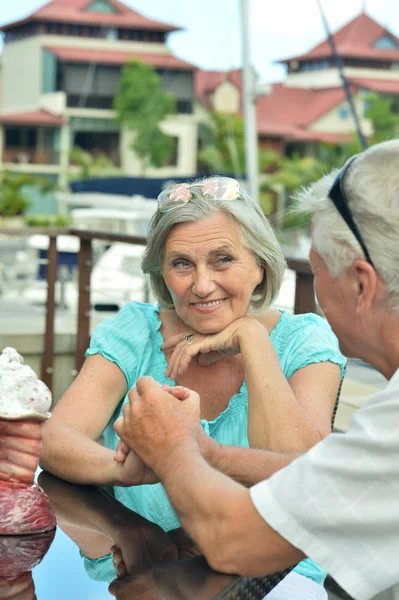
<point>211,38</point>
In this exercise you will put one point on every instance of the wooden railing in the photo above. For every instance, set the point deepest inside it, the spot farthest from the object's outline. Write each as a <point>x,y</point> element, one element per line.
<point>304,294</point>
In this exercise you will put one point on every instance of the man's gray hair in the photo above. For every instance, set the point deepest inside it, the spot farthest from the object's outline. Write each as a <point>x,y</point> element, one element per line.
<point>372,189</point>
<point>256,234</point>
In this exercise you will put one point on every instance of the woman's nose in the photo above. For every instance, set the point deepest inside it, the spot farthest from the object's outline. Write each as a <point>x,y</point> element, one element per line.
<point>203,282</point>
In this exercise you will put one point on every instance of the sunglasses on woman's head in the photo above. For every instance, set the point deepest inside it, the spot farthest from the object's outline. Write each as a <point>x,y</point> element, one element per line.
<point>338,196</point>
<point>214,188</point>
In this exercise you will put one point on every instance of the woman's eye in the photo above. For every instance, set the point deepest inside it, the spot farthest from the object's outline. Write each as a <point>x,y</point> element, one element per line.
<point>180,264</point>
<point>224,260</point>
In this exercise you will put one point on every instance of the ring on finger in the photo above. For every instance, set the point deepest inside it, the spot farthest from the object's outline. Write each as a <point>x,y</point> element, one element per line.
<point>188,338</point>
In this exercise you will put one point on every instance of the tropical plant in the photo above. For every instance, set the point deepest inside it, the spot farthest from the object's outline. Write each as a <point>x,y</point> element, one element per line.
<point>141,105</point>
<point>13,196</point>
<point>223,147</point>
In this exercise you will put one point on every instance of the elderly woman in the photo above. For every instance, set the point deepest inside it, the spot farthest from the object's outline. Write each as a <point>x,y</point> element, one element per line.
<point>268,380</point>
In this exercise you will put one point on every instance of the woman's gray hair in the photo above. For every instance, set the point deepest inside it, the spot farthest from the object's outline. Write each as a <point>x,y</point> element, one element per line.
<point>256,234</point>
<point>372,189</point>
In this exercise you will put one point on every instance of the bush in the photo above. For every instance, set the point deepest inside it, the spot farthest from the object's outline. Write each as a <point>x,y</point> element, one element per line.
<point>48,221</point>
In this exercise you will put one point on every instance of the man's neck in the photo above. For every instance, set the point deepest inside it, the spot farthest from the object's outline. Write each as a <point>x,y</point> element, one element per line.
<point>382,347</point>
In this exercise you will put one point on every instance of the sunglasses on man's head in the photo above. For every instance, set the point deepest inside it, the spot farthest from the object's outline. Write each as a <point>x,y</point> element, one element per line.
<point>338,196</point>
<point>214,188</point>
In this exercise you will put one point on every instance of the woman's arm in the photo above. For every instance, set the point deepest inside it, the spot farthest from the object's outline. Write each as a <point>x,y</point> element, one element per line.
<point>285,416</point>
<point>69,448</point>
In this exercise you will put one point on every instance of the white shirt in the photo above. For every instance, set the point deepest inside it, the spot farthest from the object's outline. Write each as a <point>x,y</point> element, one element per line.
<point>339,503</point>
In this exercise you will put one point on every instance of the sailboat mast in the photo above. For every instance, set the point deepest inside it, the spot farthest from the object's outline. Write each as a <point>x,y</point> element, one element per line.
<point>345,85</point>
<point>249,99</point>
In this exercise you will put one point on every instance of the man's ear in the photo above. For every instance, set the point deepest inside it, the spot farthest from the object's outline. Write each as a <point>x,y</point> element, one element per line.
<point>366,285</point>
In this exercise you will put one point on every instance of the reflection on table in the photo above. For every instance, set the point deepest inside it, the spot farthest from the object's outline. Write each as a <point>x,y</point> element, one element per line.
<point>154,565</point>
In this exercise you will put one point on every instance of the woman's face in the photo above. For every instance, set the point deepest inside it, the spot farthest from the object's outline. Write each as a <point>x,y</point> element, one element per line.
<point>209,273</point>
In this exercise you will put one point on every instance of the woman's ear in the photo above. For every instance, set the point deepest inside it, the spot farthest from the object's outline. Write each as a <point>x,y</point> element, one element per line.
<point>366,285</point>
<point>262,274</point>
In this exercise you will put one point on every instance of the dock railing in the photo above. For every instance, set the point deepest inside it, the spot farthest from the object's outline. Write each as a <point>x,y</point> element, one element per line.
<point>304,293</point>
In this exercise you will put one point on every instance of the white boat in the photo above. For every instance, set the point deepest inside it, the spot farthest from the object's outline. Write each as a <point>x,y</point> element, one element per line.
<point>117,278</point>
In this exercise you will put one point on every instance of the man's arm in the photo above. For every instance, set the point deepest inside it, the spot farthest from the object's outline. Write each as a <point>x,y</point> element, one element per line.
<point>217,512</point>
<point>220,516</point>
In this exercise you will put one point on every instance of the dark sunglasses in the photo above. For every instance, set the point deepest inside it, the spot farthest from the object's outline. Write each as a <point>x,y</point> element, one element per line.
<point>338,196</point>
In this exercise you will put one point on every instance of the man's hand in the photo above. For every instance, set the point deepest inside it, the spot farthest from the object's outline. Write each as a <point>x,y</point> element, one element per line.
<point>155,422</point>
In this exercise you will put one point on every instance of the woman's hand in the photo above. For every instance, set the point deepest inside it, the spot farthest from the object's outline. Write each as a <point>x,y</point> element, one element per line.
<point>132,471</point>
<point>211,347</point>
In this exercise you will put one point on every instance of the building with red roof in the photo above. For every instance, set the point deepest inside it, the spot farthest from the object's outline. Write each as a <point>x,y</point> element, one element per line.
<point>60,70</point>
<point>310,106</point>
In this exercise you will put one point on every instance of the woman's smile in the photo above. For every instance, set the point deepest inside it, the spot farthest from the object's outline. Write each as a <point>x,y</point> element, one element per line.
<point>209,273</point>
<point>209,306</point>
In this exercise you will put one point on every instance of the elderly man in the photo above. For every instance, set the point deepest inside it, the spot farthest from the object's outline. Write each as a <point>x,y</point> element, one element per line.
<point>339,503</point>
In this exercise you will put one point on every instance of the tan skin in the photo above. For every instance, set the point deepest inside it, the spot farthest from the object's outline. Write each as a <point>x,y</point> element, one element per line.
<point>204,262</point>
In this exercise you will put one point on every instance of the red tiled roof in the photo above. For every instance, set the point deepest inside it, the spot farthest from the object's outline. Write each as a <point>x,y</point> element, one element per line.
<point>287,112</point>
<point>355,40</point>
<point>110,57</point>
<point>287,109</point>
<point>73,11</point>
<point>39,117</point>
<point>384,86</point>
<point>207,81</point>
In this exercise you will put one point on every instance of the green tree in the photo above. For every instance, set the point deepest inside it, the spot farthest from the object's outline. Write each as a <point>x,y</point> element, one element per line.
<point>385,126</point>
<point>141,105</point>
<point>384,120</point>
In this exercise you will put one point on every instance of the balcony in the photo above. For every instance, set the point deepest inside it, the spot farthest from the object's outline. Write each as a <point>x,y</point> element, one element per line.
<point>24,155</point>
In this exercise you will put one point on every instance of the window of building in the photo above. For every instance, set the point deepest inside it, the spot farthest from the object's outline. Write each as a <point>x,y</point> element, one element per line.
<point>180,84</point>
<point>112,33</point>
<point>172,162</point>
<point>20,137</point>
<point>101,6</point>
<point>315,65</point>
<point>386,43</point>
<point>13,136</point>
<point>343,112</point>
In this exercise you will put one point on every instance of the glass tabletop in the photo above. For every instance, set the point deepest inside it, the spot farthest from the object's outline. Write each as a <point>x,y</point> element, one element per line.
<point>51,566</point>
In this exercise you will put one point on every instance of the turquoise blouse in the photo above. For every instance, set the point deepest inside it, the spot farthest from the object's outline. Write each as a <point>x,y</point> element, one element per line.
<point>132,340</point>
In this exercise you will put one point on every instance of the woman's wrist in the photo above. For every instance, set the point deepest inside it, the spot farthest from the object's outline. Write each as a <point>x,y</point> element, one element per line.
<point>251,331</point>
